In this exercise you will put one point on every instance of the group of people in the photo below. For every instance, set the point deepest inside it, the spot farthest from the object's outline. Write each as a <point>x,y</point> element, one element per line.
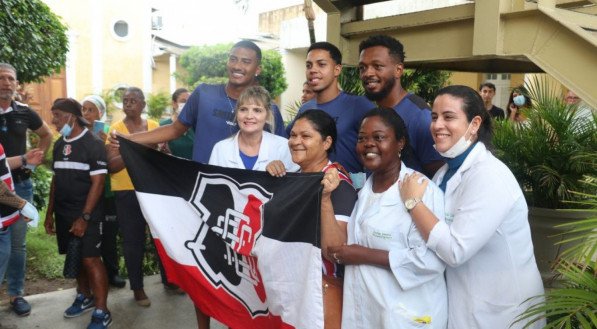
<point>399,249</point>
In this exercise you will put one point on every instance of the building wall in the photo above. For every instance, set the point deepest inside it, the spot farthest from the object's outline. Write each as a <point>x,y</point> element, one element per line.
<point>98,60</point>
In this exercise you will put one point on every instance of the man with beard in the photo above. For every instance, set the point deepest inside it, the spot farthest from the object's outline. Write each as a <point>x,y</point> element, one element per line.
<point>323,66</point>
<point>381,64</point>
<point>210,108</point>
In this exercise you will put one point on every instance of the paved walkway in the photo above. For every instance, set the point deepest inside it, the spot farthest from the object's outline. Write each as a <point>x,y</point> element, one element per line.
<point>167,310</point>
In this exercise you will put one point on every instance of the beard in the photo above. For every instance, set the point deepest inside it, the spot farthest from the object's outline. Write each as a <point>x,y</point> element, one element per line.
<point>383,93</point>
<point>5,95</point>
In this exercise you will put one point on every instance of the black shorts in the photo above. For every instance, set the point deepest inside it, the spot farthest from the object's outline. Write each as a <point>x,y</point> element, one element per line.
<point>91,240</point>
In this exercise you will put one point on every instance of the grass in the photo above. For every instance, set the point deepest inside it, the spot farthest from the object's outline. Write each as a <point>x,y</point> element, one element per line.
<point>42,253</point>
<point>44,260</point>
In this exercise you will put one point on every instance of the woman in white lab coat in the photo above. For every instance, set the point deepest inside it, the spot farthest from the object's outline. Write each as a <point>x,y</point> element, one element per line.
<point>252,147</point>
<point>486,244</point>
<point>392,280</point>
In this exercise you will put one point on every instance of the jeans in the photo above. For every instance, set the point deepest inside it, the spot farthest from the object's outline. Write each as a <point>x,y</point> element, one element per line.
<point>15,273</point>
<point>4,252</point>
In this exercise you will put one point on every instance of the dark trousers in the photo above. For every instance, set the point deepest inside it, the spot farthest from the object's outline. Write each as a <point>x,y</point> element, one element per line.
<point>132,230</point>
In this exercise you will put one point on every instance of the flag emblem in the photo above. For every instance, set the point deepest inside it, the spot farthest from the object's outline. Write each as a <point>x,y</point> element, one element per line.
<point>230,228</point>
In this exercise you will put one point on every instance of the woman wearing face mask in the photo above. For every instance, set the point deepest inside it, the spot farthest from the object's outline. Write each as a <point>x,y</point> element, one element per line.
<point>517,103</point>
<point>183,145</point>
<point>392,280</point>
<point>487,245</point>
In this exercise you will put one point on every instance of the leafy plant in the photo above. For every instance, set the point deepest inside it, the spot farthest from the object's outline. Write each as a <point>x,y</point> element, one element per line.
<point>41,178</point>
<point>157,104</point>
<point>574,305</point>
<point>33,39</point>
<point>552,152</point>
<point>207,64</point>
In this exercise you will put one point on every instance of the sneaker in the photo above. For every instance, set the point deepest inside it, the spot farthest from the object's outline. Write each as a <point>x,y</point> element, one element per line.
<point>79,306</point>
<point>20,306</point>
<point>100,320</point>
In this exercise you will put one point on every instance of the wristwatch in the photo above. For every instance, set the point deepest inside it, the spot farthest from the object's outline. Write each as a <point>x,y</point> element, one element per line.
<point>411,203</point>
<point>86,217</point>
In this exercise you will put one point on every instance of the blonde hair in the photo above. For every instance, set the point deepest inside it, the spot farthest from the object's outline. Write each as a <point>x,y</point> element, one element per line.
<point>259,95</point>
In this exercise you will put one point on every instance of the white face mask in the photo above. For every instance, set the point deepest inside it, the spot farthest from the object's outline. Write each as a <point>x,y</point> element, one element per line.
<point>459,147</point>
<point>180,106</point>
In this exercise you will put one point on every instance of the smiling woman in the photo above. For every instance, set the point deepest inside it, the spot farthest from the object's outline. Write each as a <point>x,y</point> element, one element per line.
<point>391,278</point>
<point>486,244</point>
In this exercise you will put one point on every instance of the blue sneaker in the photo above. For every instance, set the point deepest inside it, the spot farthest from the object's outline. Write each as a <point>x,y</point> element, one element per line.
<point>79,306</point>
<point>100,320</point>
<point>20,306</point>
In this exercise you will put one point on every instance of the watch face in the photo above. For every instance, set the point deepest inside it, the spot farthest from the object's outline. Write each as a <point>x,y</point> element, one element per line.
<point>410,203</point>
<point>86,217</point>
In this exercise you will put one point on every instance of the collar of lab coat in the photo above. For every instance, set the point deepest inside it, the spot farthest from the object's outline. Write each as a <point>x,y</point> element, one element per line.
<point>263,149</point>
<point>389,197</point>
<point>477,154</point>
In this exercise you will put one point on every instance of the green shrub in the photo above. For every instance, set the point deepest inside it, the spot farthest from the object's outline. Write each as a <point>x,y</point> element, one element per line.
<point>157,104</point>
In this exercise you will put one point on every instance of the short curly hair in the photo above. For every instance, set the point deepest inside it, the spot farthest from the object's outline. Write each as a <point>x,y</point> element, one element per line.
<point>395,48</point>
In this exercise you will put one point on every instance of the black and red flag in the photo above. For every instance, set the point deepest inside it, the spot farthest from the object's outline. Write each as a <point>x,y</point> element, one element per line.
<point>243,245</point>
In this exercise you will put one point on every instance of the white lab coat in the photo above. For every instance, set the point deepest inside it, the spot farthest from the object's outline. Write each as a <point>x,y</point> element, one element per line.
<point>414,286</point>
<point>486,242</point>
<point>273,147</point>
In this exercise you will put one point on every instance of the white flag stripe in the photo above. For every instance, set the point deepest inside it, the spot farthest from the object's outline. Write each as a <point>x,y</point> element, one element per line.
<point>285,282</point>
<point>283,265</point>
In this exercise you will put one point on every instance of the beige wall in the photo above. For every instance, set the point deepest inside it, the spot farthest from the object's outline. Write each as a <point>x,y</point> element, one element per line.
<point>120,61</point>
<point>161,74</point>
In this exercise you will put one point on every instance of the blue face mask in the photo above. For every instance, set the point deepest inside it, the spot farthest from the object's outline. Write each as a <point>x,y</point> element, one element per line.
<point>519,100</point>
<point>67,129</point>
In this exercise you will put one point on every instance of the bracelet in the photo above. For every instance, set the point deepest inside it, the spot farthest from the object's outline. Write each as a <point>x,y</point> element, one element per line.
<point>23,160</point>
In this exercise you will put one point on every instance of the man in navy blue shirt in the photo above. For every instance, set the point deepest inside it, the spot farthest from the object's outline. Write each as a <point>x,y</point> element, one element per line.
<point>381,64</point>
<point>323,66</point>
<point>210,108</point>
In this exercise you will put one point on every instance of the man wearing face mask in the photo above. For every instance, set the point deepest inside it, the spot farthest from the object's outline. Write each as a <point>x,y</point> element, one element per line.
<point>75,206</point>
<point>183,145</point>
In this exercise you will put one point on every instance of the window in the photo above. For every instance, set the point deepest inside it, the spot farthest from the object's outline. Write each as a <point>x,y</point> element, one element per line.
<point>121,30</point>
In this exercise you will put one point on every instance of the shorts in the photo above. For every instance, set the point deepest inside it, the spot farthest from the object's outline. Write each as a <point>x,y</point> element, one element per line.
<point>91,241</point>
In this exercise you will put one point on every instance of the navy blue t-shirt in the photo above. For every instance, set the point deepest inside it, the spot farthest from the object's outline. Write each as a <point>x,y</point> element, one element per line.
<point>416,115</point>
<point>210,112</point>
<point>348,111</point>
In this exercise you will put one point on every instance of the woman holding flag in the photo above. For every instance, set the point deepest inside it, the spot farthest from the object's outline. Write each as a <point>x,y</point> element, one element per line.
<point>392,280</point>
<point>311,140</point>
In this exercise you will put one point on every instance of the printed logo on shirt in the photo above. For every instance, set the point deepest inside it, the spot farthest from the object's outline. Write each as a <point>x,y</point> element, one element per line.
<point>382,235</point>
<point>225,115</point>
<point>67,150</point>
<point>449,218</point>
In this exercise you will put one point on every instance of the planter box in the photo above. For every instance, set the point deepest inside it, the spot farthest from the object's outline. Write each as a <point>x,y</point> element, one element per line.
<point>545,235</point>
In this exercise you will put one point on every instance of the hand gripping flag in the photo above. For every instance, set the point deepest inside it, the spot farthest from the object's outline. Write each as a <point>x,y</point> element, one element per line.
<point>244,245</point>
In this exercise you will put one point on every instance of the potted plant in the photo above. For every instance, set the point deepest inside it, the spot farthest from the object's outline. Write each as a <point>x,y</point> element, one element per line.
<point>574,303</point>
<point>551,153</point>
